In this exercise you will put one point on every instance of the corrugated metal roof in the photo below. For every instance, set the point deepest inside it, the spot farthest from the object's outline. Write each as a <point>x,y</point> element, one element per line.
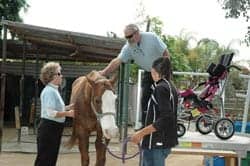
<point>68,70</point>
<point>65,45</point>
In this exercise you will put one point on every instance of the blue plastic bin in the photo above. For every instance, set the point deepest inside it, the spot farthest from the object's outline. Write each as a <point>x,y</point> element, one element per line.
<point>217,161</point>
<point>238,125</point>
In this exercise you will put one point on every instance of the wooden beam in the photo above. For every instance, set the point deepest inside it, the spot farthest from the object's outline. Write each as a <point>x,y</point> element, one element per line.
<point>229,156</point>
<point>206,152</point>
<point>67,36</point>
<point>81,48</point>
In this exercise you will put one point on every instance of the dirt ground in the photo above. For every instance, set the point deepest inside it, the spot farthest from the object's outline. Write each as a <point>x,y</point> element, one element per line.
<point>73,159</point>
<point>10,158</point>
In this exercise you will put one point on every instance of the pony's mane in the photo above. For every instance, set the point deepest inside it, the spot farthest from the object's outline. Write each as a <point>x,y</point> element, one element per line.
<point>95,76</point>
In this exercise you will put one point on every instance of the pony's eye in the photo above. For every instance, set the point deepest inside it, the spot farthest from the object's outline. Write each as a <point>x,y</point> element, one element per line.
<point>98,101</point>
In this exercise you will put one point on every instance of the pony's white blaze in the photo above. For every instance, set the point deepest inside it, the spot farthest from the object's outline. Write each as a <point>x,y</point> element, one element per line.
<point>108,124</point>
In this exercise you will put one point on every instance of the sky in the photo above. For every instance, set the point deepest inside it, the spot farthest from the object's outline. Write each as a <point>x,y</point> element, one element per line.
<point>200,18</point>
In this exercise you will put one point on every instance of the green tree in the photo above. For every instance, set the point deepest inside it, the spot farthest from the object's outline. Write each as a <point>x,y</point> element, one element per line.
<point>179,50</point>
<point>208,52</point>
<point>9,10</point>
<point>155,25</point>
<point>177,46</point>
<point>237,9</point>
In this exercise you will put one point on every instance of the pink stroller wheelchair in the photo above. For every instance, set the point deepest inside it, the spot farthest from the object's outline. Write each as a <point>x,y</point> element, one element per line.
<point>198,108</point>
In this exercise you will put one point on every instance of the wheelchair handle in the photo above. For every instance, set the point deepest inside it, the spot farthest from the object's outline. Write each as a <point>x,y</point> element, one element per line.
<point>233,66</point>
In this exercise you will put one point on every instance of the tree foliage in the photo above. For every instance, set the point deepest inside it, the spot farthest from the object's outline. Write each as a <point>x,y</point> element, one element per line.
<point>183,57</point>
<point>178,49</point>
<point>9,9</point>
<point>237,9</point>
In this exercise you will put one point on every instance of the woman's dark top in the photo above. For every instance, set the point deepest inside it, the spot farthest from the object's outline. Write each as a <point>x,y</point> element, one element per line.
<point>162,114</point>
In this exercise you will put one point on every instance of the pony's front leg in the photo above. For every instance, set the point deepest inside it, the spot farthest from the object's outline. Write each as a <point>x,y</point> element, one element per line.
<point>84,148</point>
<point>100,148</point>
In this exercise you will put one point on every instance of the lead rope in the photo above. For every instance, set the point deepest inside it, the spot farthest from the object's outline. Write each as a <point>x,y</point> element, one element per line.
<point>123,156</point>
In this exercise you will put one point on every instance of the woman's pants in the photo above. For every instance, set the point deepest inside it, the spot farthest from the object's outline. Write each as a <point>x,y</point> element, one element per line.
<point>154,157</point>
<point>48,142</point>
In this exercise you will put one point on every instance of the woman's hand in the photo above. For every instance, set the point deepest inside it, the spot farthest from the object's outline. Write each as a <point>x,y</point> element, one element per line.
<point>70,113</point>
<point>137,137</point>
<point>70,110</point>
<point>69,107</point>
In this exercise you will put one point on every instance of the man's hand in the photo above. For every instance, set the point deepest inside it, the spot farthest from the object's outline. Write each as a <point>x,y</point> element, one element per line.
<point>101,72</point>
<point>112,66</point>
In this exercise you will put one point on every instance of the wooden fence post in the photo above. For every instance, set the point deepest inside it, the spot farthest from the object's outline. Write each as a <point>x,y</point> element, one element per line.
<point>17,121</point>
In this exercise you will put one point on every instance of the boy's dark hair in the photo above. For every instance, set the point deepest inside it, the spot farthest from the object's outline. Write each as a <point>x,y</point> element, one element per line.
<point>162,66</point>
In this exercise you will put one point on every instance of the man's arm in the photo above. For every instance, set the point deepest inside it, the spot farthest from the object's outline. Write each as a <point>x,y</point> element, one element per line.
<point>112,66</point>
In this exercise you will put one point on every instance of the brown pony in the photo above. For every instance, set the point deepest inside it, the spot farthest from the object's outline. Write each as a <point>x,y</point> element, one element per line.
<point>94,101</point>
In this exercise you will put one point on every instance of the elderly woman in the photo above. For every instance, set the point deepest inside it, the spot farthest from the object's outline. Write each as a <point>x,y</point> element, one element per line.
<point>53,113</point>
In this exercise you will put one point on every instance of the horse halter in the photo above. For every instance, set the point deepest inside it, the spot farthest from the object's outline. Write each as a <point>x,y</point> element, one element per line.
<point>100,115</point>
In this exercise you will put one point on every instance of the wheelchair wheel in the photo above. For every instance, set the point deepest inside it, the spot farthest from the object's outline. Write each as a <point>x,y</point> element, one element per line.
<point>224,128</point>
<point>204,124</point>
<point>181,129</point>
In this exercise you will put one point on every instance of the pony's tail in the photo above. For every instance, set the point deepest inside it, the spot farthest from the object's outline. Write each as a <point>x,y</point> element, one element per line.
<point>73,138</point>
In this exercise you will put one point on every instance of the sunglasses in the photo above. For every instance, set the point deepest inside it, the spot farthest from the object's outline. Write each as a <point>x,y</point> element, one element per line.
<point>130,36</point>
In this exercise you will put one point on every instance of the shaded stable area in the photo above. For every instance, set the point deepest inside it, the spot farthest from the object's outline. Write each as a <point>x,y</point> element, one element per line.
<point>30,47</point>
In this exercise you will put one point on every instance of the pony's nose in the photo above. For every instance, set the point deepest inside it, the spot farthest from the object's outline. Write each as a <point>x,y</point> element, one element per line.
<point>114,132</point>
<point>111,132</point>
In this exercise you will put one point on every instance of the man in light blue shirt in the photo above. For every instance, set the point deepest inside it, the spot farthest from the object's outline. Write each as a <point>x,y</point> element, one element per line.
<point>143,48</point>
<point>144,52</point>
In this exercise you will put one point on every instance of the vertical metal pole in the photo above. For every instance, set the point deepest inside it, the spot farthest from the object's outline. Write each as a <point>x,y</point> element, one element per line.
<point>138,123</point>
<point>148,24</point>
<point>120,95</point>
<point>125,101</point>
<point>3,83</point>
<point>36,92</point>
<point>21,99</point>
<point>246,107</point>
<point>222,97</point>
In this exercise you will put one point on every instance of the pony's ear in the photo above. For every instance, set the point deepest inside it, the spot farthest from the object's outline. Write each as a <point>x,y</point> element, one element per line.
<point>93,75</point>
<point>91,78</point>
<point>114,79</point>
<point>91,81</point>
